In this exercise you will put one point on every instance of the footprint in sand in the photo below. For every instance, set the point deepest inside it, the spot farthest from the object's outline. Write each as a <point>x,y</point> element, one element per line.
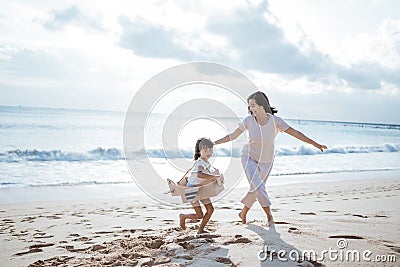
<point>294,230</point>
<point>77,214</point>
<point>360,216</point>
<point>41,245</point>
<point>55,261</point>
<point>307,213</point>
<point>346,236</point>
<point>28,219</point>
<point>237,239</point>
<point>35,250</point>
<point>54,217</point>
<point>21,234</point>
<point>104,232</point>
<point>83,238</point>
<point>74,235</point>
<point>41,235</point>
<point>224,260</point>
<point>394,248</point>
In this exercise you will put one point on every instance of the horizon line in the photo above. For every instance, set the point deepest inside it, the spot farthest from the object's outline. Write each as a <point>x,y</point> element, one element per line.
<point>120,111</point>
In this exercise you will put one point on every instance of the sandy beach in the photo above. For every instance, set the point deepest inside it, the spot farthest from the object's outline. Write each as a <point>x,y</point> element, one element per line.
<point>360,214</point>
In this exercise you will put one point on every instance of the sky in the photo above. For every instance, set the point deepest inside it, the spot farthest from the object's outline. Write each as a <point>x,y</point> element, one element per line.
<point>324,60</point>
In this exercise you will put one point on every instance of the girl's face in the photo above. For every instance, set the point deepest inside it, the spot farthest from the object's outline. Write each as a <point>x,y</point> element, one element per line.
<point>255,108</point>
<point>206,153</point>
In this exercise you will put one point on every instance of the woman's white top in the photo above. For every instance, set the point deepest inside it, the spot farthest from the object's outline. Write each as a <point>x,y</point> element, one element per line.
<point>261,145</point>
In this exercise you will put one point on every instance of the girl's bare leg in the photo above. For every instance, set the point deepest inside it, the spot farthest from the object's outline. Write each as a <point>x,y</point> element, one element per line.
<point>206,218</point>
<point>183,217</point>
<point>243,213</point>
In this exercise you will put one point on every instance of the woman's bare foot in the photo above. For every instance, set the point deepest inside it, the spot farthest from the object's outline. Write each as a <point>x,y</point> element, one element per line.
<point>242,217</point>
<point>182,221</point>
<point>270,222</point>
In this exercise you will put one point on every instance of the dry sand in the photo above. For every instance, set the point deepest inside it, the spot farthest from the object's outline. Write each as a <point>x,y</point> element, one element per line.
<point>141,232</point>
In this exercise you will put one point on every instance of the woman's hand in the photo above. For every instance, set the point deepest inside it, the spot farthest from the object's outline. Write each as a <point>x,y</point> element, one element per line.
<point>229,137</point>
<point>320,147</point>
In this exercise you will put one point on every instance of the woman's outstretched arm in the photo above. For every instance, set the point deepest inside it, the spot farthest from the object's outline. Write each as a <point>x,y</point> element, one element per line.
<point>299,135</point>
<point>229,137</point>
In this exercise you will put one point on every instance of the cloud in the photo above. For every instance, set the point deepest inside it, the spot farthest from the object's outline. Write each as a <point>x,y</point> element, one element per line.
<point>255,42</point>
<point>153,41</point>
<point>71,16</point>
<point>261,45</point>
<point>368,75</point>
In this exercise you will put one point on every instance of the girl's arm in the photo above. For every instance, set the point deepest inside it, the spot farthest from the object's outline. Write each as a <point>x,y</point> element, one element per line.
<point>229,137</point>
<point>202,175</point>
<point>299,135</point>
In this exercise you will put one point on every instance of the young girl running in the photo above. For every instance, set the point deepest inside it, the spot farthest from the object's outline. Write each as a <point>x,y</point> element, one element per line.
<point>202,174</point>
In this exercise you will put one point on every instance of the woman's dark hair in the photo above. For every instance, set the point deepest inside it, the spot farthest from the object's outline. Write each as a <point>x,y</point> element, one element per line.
<point>200,144</point>
<point>262,100</point>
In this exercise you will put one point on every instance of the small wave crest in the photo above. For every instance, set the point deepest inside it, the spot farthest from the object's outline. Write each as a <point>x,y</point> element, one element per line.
<point>308,150</point>
<point>59,155</point>
<point>99,153</point>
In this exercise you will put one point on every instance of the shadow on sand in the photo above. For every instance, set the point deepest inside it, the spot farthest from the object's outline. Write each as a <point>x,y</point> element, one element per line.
<point>276,252</point>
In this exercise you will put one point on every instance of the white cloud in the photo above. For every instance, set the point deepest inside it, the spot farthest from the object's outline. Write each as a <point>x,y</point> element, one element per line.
<point>71,15</point>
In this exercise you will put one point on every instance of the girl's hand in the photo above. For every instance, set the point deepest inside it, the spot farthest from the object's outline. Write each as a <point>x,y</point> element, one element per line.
<point>216,172</point>
<point>221,180</point>
<point>321,147</point>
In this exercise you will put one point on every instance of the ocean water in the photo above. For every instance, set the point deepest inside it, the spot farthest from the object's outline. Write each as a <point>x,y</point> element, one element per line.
<point>42,147</point>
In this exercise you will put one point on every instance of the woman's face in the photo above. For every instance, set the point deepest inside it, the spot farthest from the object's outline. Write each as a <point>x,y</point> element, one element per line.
<point>254,107</point>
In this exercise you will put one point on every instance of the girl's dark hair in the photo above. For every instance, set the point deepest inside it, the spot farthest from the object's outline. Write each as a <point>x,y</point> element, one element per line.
<point>262,100</point>
<point>200,144</point>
